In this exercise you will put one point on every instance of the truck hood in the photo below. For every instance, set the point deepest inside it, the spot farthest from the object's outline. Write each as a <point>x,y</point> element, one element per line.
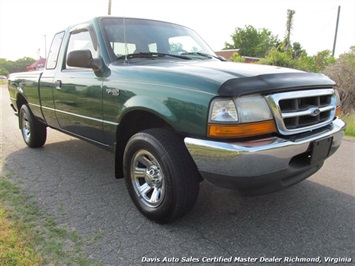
<point>222,78</point>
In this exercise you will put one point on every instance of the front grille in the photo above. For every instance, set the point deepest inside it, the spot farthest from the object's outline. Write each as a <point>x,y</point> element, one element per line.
<point>301,111</point>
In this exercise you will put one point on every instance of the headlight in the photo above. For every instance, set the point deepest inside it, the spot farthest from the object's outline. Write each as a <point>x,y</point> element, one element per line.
<point>241,117</point>
<point>223,111</point>
<point>253,109</point>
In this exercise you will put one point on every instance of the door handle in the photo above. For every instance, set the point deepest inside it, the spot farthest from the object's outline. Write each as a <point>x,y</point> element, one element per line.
<point>58,84</point>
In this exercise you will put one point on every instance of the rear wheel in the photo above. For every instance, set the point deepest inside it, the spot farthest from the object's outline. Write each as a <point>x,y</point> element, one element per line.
<point>33,132</point>
<point>160,176</point>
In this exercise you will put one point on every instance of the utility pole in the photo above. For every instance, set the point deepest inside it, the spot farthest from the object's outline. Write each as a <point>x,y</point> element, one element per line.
<point>109,7</point>
<point>336,32</point>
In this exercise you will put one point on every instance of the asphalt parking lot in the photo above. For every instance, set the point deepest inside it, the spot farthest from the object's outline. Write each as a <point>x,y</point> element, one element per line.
<point>74,182</point>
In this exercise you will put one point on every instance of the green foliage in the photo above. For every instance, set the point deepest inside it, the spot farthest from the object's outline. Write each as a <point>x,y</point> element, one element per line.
<point>298,51</point>
<point>287,58</point>
<point>4,71</point>
<point>237,58</point>
<point>278,58</point>
<point>350,125</point>
<point>7,66</point>
<point>252,42</point>
<point>343,73</point>
<point>16,236</point>
<point>316,63</point>
<point>262,44</point>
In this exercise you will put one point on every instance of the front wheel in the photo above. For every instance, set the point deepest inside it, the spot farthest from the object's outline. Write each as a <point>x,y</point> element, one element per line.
<point>33,132</point>
<point>160,175</point>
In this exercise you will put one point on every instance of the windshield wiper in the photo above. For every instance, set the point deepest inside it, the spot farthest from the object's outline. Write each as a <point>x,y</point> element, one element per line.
<point>152,55</point>
<point>205,55</point>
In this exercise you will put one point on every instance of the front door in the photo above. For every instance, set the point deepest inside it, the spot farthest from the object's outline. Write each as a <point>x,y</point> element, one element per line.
<point>78,95</point>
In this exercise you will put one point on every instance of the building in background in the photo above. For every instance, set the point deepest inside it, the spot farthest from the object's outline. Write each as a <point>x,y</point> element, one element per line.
<point>37,66</point>
<point>228,54</point>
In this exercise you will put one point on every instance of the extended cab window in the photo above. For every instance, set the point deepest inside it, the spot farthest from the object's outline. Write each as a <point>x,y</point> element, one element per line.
<point>81,41</point>
<point>54,51</point>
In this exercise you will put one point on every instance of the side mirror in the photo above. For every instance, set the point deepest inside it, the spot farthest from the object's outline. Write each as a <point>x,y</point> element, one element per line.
<point>83,59</point>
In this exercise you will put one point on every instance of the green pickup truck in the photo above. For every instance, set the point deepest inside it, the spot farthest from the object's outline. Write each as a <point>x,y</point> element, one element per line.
<point>173,113</point>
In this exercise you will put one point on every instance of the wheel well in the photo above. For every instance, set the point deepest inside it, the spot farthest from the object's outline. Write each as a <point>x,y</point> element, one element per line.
<point>20,101</point>
<point>131,124</point>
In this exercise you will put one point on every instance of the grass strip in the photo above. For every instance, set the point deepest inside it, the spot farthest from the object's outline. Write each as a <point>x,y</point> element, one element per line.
<point>30,237</point>
<point>350,125</point>
<point>16,241</point>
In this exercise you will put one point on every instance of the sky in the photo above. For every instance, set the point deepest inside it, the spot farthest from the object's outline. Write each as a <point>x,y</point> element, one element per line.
<point>27,26</point>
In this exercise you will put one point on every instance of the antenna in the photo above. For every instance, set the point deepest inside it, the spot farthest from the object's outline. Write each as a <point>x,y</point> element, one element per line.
<point>125,41</point>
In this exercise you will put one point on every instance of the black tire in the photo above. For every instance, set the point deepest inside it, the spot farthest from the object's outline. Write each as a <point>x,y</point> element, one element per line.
<point>160,176</point>
<point>33,132</point>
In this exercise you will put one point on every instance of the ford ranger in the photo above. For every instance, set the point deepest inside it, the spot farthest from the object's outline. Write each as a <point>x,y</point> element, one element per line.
<point>173,113</point>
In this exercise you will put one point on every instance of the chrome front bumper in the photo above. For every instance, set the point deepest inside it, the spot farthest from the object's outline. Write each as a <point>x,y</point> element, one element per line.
<point>264,165</point>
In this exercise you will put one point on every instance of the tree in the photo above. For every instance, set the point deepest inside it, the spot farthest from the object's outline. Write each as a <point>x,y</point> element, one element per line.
<point>298,51</point>
<point>22,63</point>
<point>237,58</point>
<point>252,42</point>
<point>275,57</point>
<point>4,71</point>
<point>342,72</point>
<point>289,26</point>
<point>316,63</point>
<point>7,66</point>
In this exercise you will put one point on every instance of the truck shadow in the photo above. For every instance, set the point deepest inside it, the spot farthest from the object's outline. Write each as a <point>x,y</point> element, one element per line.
<point>74,182</point>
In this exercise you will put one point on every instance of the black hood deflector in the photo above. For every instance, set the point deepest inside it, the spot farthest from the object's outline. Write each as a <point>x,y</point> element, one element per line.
<point>269,83</point>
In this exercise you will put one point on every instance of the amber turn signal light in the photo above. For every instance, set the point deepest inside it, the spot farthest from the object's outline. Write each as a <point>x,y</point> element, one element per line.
<point>337,111</point>
<point>241,130</point>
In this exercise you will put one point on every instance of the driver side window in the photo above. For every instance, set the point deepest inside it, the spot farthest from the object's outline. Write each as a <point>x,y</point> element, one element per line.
<point>81,41</point>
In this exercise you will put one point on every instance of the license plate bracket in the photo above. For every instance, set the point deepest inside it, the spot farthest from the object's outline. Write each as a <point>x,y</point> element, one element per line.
<point>321,149</point>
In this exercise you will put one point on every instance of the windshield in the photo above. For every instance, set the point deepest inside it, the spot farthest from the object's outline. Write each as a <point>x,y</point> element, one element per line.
<point>126,36</point>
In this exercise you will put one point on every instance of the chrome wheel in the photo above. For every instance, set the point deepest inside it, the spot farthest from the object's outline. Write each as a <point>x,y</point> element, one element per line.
<point>25,127</point>
<point>33,132</point>
<point>147,179</point>
<point>160,176</point>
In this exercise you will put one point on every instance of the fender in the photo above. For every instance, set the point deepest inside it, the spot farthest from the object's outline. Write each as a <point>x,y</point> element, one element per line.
<point>138,103</point>
<point>149,104</point>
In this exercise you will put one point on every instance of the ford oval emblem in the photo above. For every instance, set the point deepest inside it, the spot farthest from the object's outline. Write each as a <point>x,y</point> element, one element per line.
<point>314,111</point>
